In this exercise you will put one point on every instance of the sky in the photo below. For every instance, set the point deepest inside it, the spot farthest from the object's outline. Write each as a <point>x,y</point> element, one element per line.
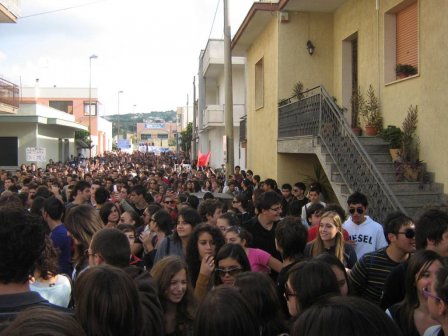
<point>147,49</point>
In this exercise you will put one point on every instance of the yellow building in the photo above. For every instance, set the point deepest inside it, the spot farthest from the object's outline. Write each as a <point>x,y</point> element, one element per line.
<point>354,43</point>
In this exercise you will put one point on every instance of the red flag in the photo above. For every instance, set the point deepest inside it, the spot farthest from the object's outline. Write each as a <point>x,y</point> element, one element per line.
<point>203,159</point>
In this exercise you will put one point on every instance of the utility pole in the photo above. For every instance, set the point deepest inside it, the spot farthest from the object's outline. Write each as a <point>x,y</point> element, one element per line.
<point>90,105</point>
<point>189,154</point>
<point>118,119</point>
<point>228,92</point>
<point>194,131</point>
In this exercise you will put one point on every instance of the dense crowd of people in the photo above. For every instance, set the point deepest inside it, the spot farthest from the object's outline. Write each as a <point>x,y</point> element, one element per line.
<point>139,244</point>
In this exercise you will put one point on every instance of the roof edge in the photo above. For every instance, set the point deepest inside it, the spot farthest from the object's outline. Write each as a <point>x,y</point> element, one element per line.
<point>256,6</point>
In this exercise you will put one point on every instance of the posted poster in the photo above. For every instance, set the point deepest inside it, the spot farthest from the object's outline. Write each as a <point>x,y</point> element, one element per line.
<point>36,154</point>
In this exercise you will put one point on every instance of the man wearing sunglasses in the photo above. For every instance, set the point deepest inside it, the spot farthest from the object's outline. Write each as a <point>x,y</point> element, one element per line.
<point>365,234</point>
<point>368,276</point>
<point>431,233</point>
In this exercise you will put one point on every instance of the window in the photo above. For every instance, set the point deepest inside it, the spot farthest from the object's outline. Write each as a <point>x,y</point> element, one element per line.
<point>146,136</point>
<point>401,41</point>
<point>162,136</point>
<point>259,84</point>
<point>10,151</point>
<point>92,108</point>
<point>407,35</point>
<point>64,106</point>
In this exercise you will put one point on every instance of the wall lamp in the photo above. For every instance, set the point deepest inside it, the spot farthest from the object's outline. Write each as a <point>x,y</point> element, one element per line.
<point>310,47</point>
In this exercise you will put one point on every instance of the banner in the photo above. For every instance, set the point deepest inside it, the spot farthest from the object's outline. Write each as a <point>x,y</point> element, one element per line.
<point>203,159</point>
<point>36,154</point>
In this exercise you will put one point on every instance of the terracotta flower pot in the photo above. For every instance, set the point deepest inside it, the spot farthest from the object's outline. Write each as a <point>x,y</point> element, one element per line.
<point>371,130</point>
<point>357,130</point>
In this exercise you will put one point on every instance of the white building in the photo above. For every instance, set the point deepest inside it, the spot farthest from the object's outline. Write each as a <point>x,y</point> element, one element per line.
<point>211,118</point>
<point>75,101</point>
<point>36,134</point>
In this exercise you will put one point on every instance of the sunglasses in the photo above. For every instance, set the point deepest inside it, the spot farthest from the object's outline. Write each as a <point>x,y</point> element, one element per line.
<point>230,271</point>
<point>170,202</point>
<point>358,210</point>
<point>409,233</point>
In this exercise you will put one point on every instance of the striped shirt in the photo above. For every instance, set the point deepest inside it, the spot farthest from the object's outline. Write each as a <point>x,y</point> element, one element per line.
<point>369,274</point>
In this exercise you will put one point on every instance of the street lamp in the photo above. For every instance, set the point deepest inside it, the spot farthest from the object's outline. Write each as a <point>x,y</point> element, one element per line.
<point>90,103</point>
<point>118,126</point>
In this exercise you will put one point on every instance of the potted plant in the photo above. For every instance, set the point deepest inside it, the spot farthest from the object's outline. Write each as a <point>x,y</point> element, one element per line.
<point>393,135</point>
<point>297,90</point>
<point>408,166</point>
<point>405,70</point>
<point>357,102</point>
<point>371,113</point>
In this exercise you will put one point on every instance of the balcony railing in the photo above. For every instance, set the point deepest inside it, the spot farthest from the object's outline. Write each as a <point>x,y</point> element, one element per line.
<point>316,114</point>
<point>9,93</point>
<point>213,115</point>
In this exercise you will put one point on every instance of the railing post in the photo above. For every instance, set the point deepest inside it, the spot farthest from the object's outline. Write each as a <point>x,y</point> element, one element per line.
<point>320,111</point>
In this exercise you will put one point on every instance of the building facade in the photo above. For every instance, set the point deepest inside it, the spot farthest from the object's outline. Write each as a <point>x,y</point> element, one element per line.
<point>357,43</point>
<point>211,117</point>
<point>75,101</point>
<point>36,134</point>
<point>160,134</point>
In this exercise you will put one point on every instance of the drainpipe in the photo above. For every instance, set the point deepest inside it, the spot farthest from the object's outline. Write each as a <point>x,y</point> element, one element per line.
<point>377,7</point>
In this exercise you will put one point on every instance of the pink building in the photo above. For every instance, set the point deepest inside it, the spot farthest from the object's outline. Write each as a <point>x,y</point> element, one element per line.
<point>75,101</point>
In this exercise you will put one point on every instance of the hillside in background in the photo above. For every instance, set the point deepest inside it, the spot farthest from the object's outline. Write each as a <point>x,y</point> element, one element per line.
<point>129,121</point>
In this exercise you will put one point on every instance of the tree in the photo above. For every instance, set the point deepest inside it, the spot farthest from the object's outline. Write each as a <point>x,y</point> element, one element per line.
<point>186,137</point>
<point>83,136</point>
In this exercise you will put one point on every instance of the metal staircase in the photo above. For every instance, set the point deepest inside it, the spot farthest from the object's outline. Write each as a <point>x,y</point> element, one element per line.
<point>353,163</point>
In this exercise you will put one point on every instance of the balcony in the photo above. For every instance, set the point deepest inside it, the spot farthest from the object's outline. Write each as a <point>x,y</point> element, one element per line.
<point>9,97</point>
<point>213,116</point>
<point>9,11</point>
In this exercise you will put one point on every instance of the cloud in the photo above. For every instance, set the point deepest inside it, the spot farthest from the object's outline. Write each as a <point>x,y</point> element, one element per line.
<point>148,49</point>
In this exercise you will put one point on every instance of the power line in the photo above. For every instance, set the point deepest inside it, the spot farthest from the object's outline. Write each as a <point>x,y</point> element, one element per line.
<point>62,9</point>
<point>213,23</point>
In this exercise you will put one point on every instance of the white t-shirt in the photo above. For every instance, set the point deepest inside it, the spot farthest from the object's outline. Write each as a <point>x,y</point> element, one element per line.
<point>368,236</point>
<point>58,293</point>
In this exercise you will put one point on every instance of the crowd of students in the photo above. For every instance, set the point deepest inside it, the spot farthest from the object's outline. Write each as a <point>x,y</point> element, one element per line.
<point>135,245</point>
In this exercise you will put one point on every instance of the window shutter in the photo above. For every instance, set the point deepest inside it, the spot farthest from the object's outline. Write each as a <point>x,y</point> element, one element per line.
<point>407,35</point>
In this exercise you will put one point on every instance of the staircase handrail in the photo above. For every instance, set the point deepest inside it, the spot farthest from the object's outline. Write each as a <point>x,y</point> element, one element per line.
<point>332,129</point>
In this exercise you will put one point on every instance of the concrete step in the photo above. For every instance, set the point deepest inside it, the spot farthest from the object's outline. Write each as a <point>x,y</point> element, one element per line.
<point>371,140</point>
<point>376,148</point>
<point>416,212</point>
<point>401,187</point>
<point>383,167</point>
<point>380,157</point>
<point>337,178</point>
<point>415,199</point>
<point>376,157</point>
